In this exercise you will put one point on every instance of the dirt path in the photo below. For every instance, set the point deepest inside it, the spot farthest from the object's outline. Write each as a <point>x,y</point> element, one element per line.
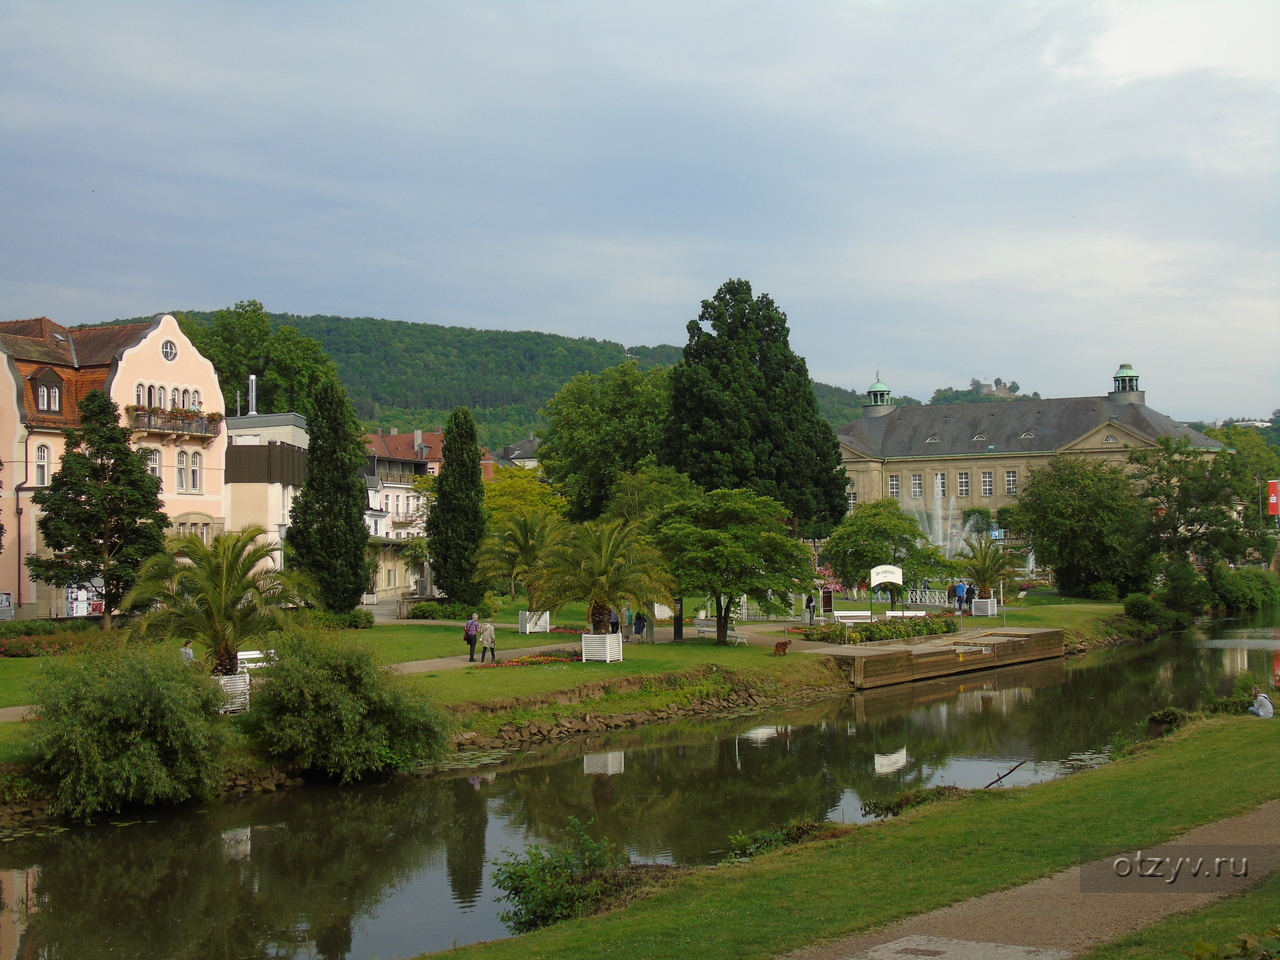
<point>1052,918</point>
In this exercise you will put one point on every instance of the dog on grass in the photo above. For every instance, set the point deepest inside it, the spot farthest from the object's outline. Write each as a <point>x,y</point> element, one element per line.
<point>780,648</point>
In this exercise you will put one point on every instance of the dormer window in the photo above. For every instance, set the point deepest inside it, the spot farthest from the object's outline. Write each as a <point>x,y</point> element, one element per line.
<point>979,437</point>
<point>47,389</point>
<point>1029,435</point>
<point>932,439</point>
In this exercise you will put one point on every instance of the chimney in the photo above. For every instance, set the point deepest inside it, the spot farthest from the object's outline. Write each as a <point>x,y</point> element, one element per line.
<point>253,395</point>
<point>417,438</point>
<point>394,431</point>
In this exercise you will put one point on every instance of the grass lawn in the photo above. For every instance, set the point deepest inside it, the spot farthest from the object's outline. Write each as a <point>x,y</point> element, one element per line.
<point>929,857</point>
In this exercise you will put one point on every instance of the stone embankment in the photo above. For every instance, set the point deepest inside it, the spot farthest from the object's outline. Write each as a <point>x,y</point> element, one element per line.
<point>517,734</point>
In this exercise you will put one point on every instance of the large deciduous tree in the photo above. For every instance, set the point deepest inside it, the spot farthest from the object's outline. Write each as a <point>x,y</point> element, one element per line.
<point>327,531</point>
<point>221,595</point>
<point>1085,519</point>
<point>743,413</point>
<point>876,533</point>
<point>602,425</point>
<point>455,526</point>
<point>1193,497</point>
<point>100,514</point>
<point>730,543</point>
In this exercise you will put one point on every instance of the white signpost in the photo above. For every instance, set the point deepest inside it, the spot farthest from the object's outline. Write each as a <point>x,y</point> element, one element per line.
<point>885,573</point>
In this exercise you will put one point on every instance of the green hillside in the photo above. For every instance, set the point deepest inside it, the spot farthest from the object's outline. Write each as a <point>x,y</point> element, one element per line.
<point>408,375</point>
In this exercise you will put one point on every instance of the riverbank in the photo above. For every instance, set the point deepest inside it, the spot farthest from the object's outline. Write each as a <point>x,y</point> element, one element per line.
<point>947,852</point>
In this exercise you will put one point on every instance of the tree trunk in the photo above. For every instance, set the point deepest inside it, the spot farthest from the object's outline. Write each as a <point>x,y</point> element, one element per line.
<point>598,613</point>
<point>226,661</point>
<point>722,622</point>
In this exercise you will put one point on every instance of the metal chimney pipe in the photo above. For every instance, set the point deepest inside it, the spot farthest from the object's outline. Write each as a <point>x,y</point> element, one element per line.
<point>253,395</point>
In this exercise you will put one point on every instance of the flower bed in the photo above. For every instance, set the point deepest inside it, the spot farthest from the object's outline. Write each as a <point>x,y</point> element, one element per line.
<point>534,660</point>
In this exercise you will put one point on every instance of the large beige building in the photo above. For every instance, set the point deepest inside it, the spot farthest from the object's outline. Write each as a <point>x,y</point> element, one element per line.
<point>940,460</point>
<point>168,394</point>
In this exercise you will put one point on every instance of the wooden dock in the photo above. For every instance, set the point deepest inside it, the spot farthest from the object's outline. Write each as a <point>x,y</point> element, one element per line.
<point>884,663</point>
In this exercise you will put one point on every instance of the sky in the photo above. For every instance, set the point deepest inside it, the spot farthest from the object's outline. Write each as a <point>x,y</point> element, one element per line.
<point>932,191</point>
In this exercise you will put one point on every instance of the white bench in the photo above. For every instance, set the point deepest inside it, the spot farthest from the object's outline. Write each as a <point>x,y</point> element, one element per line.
<point>707,628</point>
<point>852,616</point>
<point>905,613</point>
<point>252,659</point>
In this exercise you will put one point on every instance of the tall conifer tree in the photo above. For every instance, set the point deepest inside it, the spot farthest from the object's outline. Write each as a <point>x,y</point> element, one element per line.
<point>326,523</point>
<point>456,524</point>
<point>101,513</point>
<point>743,413</point>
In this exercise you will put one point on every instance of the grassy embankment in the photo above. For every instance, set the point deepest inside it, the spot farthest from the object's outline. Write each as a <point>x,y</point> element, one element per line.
<point>929,857</point>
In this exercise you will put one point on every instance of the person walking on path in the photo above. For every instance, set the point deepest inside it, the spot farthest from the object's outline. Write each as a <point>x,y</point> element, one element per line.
<point>951,594</point>
<point>488,641</point>
<point>613,621</point>
<point>641,624</point>
<point>809,607</point>
<point>960,598</point>
<point>469,634</point>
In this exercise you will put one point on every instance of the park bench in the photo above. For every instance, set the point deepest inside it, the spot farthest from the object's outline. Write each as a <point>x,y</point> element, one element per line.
<point>852,616</point>
<point>707,628</point>
<point>905,613</point>
<point>252,659</point>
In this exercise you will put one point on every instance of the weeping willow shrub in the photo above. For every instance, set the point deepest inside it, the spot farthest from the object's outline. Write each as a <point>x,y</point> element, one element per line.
<point>123,727</point>
<point>327,706</point>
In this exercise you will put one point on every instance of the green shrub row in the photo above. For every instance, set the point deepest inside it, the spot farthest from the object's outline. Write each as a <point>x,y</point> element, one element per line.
<point>899,628</point>
<point>910,798</point>
<point>351,620</point>
<point>446,610</point>
<point>745,845</point>
<point>43,638</point>
<point>1186,593</point>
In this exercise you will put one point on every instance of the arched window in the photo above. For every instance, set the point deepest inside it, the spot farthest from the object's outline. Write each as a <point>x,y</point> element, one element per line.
<point>195,399</point>
<point>161,396</point>
<point>195,472</point>
<point>173,399</point>
<point>182,471</point>
<point>42,466</point>
<point>186,399</point>
<point>139,394</point>
<point>55,399</point>
<point>153,464</point>
<point>42,397</point>
<point>151,396</point>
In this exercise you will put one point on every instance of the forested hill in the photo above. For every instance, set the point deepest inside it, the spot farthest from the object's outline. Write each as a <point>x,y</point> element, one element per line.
<point>409,375</point>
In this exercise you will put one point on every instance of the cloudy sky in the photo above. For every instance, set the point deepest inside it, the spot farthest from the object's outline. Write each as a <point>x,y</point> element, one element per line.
<point>938,190</point>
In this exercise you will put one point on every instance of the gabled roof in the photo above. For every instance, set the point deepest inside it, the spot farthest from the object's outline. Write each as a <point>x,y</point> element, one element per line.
<point>40,340</point>
<point>1012,427</point>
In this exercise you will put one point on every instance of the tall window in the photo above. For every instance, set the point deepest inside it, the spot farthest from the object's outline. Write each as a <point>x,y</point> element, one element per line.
<point>195,399</point>
<point>940,484</point>
<point>195,473</point>
<point>161,396</point>
<point>182,471</point>
<point>139,394</point>
<point>895,486</point>
<point>42,397</point>
<point>173,399</point>
<point>853,499</point>
<point>186,399</point>
<point>151,396</point>
<point>42,466</point>
<point>1011,482</point>
<point>988,483</point>
<point>962,483</point>
<point>153,465</point>
<point>55,398</point>
<point>917,486</point>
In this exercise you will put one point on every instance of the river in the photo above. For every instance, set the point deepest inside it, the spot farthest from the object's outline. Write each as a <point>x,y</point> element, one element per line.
<point>392,870</point>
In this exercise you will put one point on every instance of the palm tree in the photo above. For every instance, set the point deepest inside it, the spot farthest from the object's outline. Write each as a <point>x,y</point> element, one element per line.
<point>220,594</point>
<point>606,564</point>
<point>988,564</point>
<point>517,550</point>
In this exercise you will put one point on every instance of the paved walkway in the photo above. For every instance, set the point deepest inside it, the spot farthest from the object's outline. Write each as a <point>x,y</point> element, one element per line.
<point>1052,919</point>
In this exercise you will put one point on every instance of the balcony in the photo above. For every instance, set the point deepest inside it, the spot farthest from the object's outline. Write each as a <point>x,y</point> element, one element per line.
<point>176,423</point>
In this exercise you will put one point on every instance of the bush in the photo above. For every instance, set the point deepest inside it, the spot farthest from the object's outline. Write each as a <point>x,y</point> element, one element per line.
<point>1185,591</point>
<point>445,610</point>
<point>910,798</point>
<point>743,845</point>
<point>1140,607</point>
<point>558,882</point>
<point>1239,700</point>
<point>1248,589</point>
<point>126,726</point>
<point>351,620</point>
<point>1251,946</point>
<point>1104,592</point>
<point>46,638</point>
<point>326,705</point>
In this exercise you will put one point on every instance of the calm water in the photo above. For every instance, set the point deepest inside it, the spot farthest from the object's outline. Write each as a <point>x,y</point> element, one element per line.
<point>392,870</point>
